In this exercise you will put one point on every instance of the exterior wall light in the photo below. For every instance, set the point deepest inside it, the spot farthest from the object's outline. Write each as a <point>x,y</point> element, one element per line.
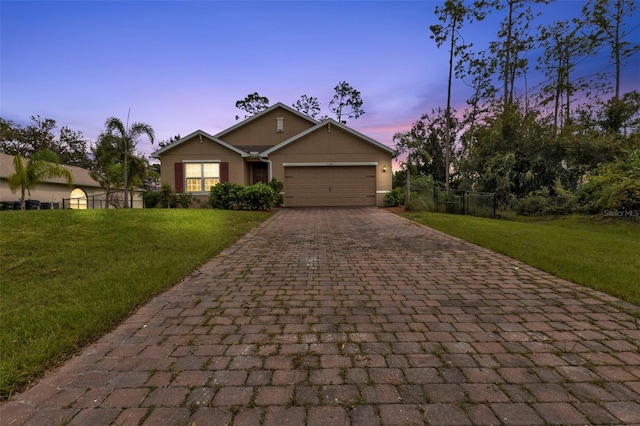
<point>384,169</point>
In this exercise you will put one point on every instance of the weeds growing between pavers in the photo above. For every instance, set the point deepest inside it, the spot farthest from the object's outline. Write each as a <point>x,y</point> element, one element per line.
<point>604,255</point>
<point>66,277</point>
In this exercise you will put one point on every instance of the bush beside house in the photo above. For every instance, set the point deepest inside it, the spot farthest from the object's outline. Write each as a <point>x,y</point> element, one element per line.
<point>166,198</point>
<point>232,196</point>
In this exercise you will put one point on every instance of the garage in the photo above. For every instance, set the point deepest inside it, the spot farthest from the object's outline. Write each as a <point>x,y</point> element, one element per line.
<point>330,186</point>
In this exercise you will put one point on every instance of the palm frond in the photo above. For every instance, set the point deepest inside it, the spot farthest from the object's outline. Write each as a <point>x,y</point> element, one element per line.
<point>139,129</point>
<point>114,123</point>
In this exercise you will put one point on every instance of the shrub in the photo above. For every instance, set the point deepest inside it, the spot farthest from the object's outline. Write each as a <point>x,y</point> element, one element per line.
<point>167,196</point>
<point>151,199</point>
<point>547,202</point>
<point>257,197</point>
<point>164,198</point>
<point>614,186</point>
<point>419,204</point>
<point>229,196</point>
<point>624,195</point>
<point>395,197</point>
<point>277,187</point>
<point>225,195</point>
<point>185,199</point>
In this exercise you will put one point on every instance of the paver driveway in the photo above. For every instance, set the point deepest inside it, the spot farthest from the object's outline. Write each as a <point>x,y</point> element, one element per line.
<point>354,316</point>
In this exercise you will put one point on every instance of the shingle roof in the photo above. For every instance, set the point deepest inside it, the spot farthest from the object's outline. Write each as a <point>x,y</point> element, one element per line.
<point>329,122</point>
<point>81,176</point>
<point>201,134</point>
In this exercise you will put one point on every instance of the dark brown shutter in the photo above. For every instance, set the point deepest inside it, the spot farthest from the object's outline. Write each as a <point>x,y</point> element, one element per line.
<point>179,172</point>
<point>224,172</point>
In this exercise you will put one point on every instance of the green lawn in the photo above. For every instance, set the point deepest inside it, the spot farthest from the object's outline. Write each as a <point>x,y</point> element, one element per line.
<point>67,277</point>
<point>604,255</point>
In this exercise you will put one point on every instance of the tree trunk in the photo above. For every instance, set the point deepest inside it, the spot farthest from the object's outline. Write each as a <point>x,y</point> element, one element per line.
<point>558,93</point>
<point>407,195</point>
<point>507,57</point>
<point>447,136</point>
<point>126,173</point>
<point>567,87</point>
<point>617,49</point>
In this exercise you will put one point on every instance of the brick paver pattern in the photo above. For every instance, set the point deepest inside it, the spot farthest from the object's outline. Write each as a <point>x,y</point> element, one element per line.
<point>354,316</point>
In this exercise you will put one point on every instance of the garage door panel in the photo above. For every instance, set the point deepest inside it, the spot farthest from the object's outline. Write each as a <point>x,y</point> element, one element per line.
<point>330,186</point>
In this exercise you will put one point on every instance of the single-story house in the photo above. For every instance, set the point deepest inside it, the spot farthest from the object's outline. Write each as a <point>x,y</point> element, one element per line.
<point>321,163</point>
<point>84,193</point>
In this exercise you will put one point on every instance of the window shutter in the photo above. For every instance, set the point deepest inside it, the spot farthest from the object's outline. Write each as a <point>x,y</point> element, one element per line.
<point>179,172</point>
<point>224,172</point>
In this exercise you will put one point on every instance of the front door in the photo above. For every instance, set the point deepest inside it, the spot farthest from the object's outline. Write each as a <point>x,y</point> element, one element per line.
<point>260,173</point>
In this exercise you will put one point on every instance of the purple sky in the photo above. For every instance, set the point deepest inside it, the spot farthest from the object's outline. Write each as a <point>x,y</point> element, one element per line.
<point>181,66</point>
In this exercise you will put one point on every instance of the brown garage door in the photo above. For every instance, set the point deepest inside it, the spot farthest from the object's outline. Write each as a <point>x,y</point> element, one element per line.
<point>330,186</point>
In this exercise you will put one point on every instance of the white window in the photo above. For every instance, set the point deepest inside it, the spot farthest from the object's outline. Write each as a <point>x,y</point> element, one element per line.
<point>200,177</point>
<point>279,124</point>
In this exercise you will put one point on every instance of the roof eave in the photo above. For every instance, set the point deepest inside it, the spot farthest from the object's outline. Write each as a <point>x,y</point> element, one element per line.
<point>319,126</point>
<point>261,113</point>
<point>156,154</point>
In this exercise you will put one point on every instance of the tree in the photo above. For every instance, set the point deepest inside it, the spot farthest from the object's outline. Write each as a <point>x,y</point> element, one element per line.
<point>252,104</point>
<point>346,102</point>
<point>507,57</point>
<point>107,169</point>
<point>608,18</point>
<point>41,166</point>
<point>72,149</point>
<point>308,106</point>
<point>69,145</point>
<point>409,143</point>
<point>563,47</point>
<point>128,138</point>
<point>452,15</point>
<point>621,114</point>
<point>169,141</point>
<point>424,143</point>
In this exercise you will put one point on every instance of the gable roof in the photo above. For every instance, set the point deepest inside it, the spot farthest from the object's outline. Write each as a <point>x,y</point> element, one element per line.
<point>81,177</point>
<point>244,151</point>
<point>201,134</point>
<point>325,123</point>
<point>266,111</point>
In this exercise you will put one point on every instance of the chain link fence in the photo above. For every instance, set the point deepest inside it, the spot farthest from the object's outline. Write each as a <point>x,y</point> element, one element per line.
<point>429,196</point>
<point>101,201</point>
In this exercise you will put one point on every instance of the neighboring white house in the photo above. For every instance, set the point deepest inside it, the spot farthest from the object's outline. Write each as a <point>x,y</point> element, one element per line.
<point>82,194</point>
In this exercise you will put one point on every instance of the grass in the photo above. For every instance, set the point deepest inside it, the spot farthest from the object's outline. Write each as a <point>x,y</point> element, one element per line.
<point>604,255</point>
<point>67,277</point>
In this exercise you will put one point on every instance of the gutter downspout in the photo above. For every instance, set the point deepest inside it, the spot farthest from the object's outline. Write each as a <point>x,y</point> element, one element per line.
<point>264,160</point>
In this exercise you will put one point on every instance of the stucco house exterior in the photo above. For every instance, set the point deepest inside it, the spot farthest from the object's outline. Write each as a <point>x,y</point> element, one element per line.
<point>54,190</point>
<point>84,193</point>
<point>321,163</point>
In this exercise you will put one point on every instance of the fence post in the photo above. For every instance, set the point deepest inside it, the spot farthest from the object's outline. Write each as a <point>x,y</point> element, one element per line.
<point>495,201</point>
<point>463,191</point>
<point>435,198</point>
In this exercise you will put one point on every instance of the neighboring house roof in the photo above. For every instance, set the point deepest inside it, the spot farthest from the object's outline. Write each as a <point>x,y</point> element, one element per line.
<point>201,134</point>
<point>323,124</point>
<point>81,177</point>
<point>264,151</point>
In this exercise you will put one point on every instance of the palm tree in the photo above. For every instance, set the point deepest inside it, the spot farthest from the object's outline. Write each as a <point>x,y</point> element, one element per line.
<point>41,166</point>
<point>128,138</point>
<point>107,168</point>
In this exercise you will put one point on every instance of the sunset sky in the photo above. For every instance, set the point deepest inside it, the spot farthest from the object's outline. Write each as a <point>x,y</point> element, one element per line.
<point>181,66</point>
